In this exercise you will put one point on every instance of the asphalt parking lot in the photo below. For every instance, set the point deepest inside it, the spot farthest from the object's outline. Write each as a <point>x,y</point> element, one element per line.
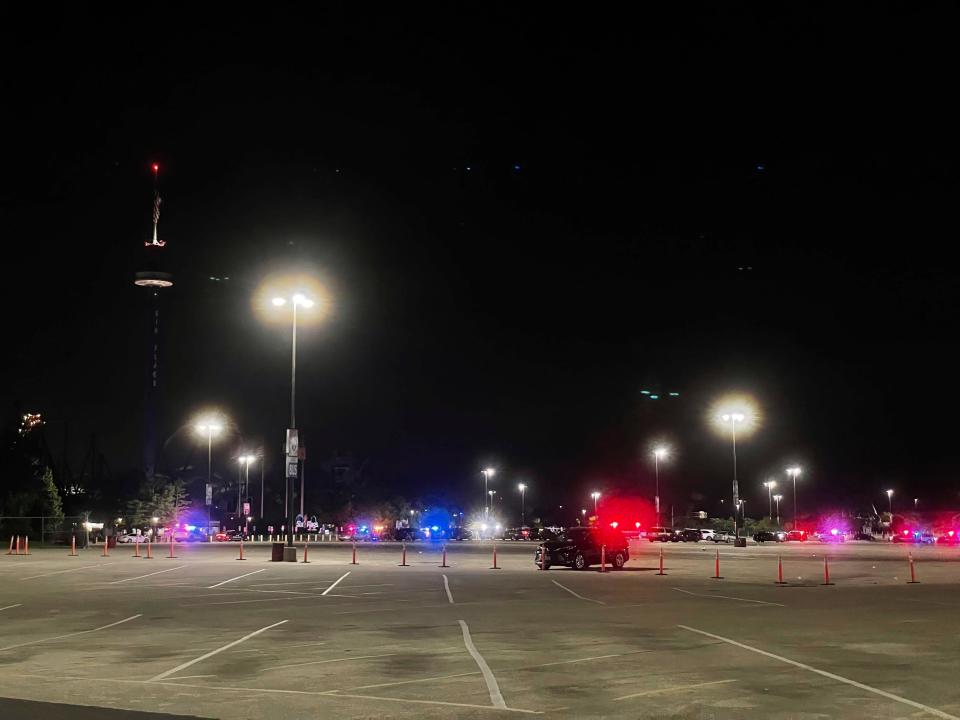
<point>207,635</point>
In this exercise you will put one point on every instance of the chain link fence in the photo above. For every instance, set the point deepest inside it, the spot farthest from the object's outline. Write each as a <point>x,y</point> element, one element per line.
<point>44,530</point>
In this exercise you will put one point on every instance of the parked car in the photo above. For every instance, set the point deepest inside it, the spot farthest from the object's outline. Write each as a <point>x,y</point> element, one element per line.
<point>406,535</point>
<point>707,533</point>
<point>863,536</point>
<point>659,534</point>
<point>221,536</point>
<point>796,536</point>
<point>723,537</point>
<point>688,535</point>
<point>766,536</point>
<point>948,538</point>
<point>459,534</point>
<point>132,538</point>
<point>580,547</point>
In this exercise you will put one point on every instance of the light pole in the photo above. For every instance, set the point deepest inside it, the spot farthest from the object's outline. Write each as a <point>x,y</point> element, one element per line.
<point>490,494</point>
<point>209,428</point>
<point>596,496</point>
<point>733,419</point>
<point>793,472</point>
<point>658,454</point>
<point>522,488</point>
<point>769,485</point>
<point>297,300</point>
<point>890,503</point>
<point>915,501</point>
<point>777,498</point>
<point>487,474</point>
<point>244,461</point>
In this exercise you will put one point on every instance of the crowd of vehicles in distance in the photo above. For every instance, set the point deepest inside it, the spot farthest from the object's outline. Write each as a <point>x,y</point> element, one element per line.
<point>920,537</point>
<point>768,536</point>
<point>581,547</point>
<point>131,538</point>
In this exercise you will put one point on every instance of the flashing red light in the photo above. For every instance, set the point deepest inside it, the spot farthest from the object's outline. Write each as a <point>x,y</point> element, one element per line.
<point>950,533</point>
<point>638,525</point>
<point>834,531</point>
<point>155,167</point>
<point>906,532</point>
<point>614,524</point>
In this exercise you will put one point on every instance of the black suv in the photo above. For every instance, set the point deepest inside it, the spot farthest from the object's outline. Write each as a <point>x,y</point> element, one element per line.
<point>580,547</point>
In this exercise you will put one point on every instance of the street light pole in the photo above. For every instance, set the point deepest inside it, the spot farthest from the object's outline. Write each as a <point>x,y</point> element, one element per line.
<point>733,419</point>
<point>890,503</point>
<point>522,487</point>
<point>770,484</point>
<point>793,472</point>
<point>595,495</point>
<point>777,498</point>
<point>209,473</point>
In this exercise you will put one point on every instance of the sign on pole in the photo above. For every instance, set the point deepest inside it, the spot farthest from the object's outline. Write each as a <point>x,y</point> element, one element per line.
<point>293,443</point>
<point>209,494</point>
<point>291,467</point>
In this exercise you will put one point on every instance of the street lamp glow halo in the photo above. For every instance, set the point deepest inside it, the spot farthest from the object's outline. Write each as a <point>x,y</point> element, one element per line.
<point>739,411</point>
<point>280,294</point>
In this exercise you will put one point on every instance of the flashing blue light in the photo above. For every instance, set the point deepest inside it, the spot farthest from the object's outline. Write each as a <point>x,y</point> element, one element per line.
<point>189,528</point>
<point>654,397</point>
<point>363,528</point>
<point>674,394</point>
<point>644,392</point>
<point>435,528</point>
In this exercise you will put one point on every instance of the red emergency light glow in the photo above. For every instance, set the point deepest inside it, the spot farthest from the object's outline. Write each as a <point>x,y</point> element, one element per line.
<point>906,532</point>
<point>950,533</point>
<point>155,167</point>
<point>614,524</point>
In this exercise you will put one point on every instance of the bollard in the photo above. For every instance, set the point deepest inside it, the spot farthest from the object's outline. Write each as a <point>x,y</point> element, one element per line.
<point>603,558</point>
<point>444,563</point>
<point>171,546</point>
<point>105,551</point>
<point>73,546</point>
<point>150,549</point>
<point>10,551</point>
<point>495,556</point>
<point>241,552</point>
<point>19,545</point>
<point>26,545</point>
<point>826,572</point>
<point>305,546</point>
<point>403,561</point>
<point>661,572</point>
<point>543,556</point>
<point>716,567</point>
<point>913,576</point>
<point>354,561</point>
<point>779,571</point>
<point>136,549</point>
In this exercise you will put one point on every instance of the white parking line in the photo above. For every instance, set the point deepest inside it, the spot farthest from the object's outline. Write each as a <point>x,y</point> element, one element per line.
<point>60,572</point>
<point>495,696</point>
<point>675,688</point>
<point>336,582</point>
<point>728,597</point>
<point>187,664</point>
<point>324,662</point>
<point>824,673</point>
<point>211,587</point>
<point>418,680</point>
<point>68,635</point>
<point>564,587</point>
<point>140,577</point>
<point>446,586</point>
<point>10,607</point>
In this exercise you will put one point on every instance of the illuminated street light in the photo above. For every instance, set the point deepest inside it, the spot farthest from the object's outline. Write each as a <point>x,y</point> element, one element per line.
<point>297,300</point>
<point>770,485</point>
<point>487,474</point>
<point>596,496</point>
<point>522,488</point>
<point>659,453</point>
<point>793,472</point>
<point>890,501</point>
<point>244,461</point>
<point>777,498</point>
<point>733,418</point>
<point>209,425</point>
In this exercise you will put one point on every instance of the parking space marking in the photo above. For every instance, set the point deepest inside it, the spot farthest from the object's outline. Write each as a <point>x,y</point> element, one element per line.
<point>324,662</point>
<point>73,634</point>
<point>675,688</point>
<point>238,577</point>
<point>578,660</point>
<point>446,586</point>
<point>184,666</point>
<point>495,696</point>
<point>335,583</point>
<point>728,597</point>
<point>418,680</point>
<point>564,587</point>
<point>824,673</point>
<point>60,572</point>
<point>10,607</point>
<point>140,577</point>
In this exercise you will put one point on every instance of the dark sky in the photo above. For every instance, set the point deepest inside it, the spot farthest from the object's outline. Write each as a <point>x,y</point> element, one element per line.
<point>523,217</point>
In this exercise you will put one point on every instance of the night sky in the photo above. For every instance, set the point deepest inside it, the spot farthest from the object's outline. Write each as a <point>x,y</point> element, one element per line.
<point>524,218</point>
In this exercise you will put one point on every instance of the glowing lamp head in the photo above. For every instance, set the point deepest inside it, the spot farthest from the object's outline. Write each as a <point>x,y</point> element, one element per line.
<point>155,167</point>
<point>637,524</point>
<point>521,487</point>
<point>302,300</point>
<point>489,472</point>
<point>834,531</point>
<point>614,524</point>
<point>279,301</point>
<point>595,495</point>
<point>660,452</point>
<point>889,493</point>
